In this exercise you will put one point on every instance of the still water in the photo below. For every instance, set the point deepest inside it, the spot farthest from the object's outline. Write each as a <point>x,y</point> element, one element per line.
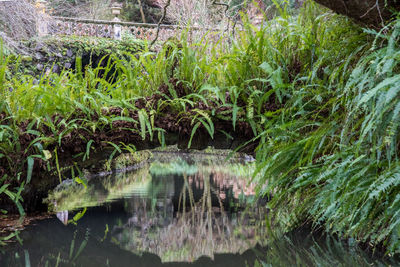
<point>177,210</point>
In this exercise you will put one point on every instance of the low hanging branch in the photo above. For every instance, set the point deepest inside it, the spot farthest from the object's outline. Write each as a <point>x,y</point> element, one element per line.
<point>160,22</point>
<point>372,13</point>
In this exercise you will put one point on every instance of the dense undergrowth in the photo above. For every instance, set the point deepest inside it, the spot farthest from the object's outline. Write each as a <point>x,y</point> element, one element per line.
<point>318,94</point>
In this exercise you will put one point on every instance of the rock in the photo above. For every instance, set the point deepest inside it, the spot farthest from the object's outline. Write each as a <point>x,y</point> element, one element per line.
<point>67,65</point>
<point>39,46</point>
<point>69,53</point>
<point>39,56</point>
<point>56,68</point>
<point>53,50</point>
<point>65,184</point>
<point>26,59</point>
<point>39,66</point>
<point>249,158</point>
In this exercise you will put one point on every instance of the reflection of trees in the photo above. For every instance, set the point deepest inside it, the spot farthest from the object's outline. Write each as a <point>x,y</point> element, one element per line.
<point>180,212</point>
<point>178,216</point>
<point>225,181</point>
<point>226,175</point>
<point>100,191</point>
<point>199,226</point>
<point>155,209</point>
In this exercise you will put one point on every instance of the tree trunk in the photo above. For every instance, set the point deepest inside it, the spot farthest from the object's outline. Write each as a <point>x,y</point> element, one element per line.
<point>371,13</point>
<point>141,11</point>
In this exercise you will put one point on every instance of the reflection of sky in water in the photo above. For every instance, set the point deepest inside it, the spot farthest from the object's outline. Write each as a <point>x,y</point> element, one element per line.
<point>169,211</point>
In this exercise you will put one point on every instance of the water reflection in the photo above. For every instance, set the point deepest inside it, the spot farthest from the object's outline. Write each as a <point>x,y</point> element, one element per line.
<point>168,212</point>
<point>188,220</point>
<point>63,216</point>
<point>179,210</point>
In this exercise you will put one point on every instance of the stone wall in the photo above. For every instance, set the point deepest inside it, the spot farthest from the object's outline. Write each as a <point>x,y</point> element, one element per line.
<point>53,54</point>
<point>71,27</point>
<point>102,28</point>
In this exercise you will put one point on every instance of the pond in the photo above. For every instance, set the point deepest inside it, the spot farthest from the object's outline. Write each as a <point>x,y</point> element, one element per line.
<point>178,209</point>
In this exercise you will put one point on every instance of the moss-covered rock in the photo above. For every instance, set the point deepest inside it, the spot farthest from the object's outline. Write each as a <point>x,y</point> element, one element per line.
<point>128,159</point>
<point>58,53</point>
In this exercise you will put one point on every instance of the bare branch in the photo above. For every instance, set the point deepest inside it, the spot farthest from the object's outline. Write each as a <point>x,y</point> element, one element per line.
<point>17,22</point>
<point>215,3</point>
<point>141,11</point>
<point>160,22</point>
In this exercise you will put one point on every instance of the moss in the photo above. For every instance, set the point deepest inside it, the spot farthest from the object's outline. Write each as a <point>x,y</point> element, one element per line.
<point>63,50</point>
<point>73,196</point>
<point>129,159</point>
<point>26,59</point>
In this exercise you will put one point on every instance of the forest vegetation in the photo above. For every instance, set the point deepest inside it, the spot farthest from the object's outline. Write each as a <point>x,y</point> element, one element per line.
<point>315,94</point>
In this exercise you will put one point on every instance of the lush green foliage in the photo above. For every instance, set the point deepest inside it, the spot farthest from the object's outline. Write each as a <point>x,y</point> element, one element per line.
<point>332,154</point>
<point>318,93</point>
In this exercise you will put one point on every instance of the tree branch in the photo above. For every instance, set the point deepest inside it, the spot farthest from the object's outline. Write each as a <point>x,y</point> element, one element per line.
<point>214,2</point>
<point>160,22</point>
<point>141,11</point>
<point>230,18</point>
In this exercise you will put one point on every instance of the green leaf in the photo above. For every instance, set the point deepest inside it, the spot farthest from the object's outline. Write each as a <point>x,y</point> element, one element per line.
<point>88,146</point>
<point>193,132</point>
<point>3,188</point>
<point>81,181</point>
<point>79,215</point>
<point>31,162</point>
<point>47,154</point>
<point>142,119</point>
<point>266,67</point>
